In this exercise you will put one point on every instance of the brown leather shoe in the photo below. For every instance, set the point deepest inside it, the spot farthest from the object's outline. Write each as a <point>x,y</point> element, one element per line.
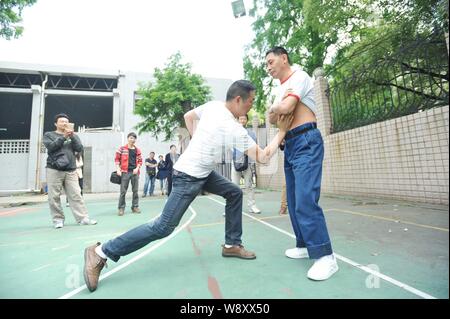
<point>121,212</point>
<point>93,265</point>
<point>136,210</point>
<point>237,251</point>
<point>283,211</point>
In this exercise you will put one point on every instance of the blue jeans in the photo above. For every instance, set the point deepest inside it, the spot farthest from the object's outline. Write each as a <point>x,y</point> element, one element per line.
<point>163,184</point>
<point>185,189</point>
<point>149,182</point>
<point>303,156</point>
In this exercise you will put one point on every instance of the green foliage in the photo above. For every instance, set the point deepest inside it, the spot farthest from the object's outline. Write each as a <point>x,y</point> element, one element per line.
<point>10,16</point>
<point>395,24</point>
<point>398,66</point>
<point>175,92</point>
<point>411,78</point>
<point>339,35</point>
<point>306,28</point>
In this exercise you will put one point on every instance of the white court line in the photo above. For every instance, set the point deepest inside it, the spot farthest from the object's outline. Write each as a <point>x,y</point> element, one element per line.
<point>100,235</point>
<point>42,267</point>
<point>148,200</point>
<point>135,258</point>
<point>60,247</point>
<point>348,261</point>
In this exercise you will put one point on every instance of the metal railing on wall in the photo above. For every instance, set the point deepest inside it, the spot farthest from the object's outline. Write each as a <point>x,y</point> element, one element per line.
<point>413,79</point>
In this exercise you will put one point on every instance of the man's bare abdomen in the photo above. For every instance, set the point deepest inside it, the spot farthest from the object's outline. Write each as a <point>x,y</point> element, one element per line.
<point>302,115</point>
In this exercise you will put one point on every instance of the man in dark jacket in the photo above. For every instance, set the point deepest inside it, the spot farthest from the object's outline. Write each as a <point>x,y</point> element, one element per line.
<point>61,172</point>
<point>171,159</point>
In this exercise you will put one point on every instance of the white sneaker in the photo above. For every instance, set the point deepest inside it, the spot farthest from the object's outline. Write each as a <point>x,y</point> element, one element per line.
<point>255,210</point>
<point>87,221</point>
<point>297,253</point>
<point>323,268</point>
<point>59,224</point>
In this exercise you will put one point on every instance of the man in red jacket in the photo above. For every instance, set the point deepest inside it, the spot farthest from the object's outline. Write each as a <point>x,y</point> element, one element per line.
<point>128,162</point>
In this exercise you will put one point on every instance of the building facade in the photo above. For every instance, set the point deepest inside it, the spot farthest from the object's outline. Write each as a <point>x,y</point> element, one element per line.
<point>100,103</point>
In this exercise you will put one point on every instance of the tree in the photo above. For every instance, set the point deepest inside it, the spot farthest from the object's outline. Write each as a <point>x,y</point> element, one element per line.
<point>332,33</point>
<point>296,25</point>
<point>163,103</point>
<point>398,66</point>
<point>10,16</point>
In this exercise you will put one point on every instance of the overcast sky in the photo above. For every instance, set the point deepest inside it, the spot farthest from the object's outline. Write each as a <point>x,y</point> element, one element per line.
<point>134,35</point>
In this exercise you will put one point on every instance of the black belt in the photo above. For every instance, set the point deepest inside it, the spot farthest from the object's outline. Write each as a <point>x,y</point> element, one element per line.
<point>306,127</point>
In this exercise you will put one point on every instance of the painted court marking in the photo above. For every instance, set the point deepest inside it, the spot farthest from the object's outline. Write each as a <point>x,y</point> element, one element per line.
<point>15,211</point>
<point>223,222</point>
<point>386,218</point>
<point>135,258</point>
<point>347,260</point>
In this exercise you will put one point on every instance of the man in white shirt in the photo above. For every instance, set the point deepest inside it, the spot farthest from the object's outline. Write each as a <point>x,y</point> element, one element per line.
<point>217,128</point>
<point>303,157</point>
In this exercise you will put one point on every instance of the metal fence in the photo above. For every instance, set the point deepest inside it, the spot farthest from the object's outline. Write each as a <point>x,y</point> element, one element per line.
<point>410,80</point>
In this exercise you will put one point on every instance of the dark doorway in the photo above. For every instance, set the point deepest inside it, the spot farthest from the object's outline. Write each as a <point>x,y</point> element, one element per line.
<point>91,111</point>
<point>15,116</point>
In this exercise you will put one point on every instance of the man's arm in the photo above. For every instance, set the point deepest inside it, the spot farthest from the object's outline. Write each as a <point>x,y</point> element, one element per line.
<point>77,146</point>
<point>273,117</point>
<point>285,106</point>
<point>263,155</point>
<point>169,164</point>
<point>190,119</point>
<point>53,145</point>
<point>117,160</point>
<point>138,161</point>
<point>152,165</point>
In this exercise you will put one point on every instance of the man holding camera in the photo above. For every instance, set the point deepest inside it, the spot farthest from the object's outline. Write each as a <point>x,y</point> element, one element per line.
<point>61,167</point>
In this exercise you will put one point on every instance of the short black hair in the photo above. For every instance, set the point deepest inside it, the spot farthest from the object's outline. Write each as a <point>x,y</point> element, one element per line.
<point>241,88</point>
<point>172,146</point>
<point>279,51</point>
<point>57,116</point>
<point>132,134</point>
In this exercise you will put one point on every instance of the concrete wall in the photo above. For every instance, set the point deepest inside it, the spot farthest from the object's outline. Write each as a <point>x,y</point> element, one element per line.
<point>14,157</point>
<point>102,148</point>
<point>404,158</point>
<point>14,171</point>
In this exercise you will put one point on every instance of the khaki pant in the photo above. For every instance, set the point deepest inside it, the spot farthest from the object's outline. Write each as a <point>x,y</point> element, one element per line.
<point>56,181</point>
<point>248,183</point>
<point>283,197</point>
